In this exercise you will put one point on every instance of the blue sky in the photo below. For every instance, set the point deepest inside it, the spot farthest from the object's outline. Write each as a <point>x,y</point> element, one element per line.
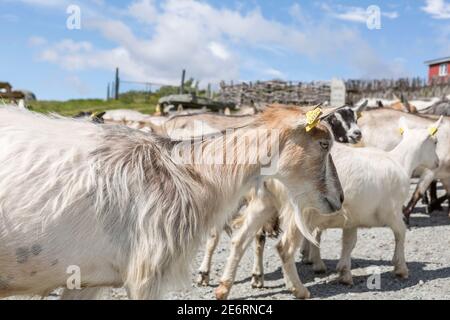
<point>214,40</point>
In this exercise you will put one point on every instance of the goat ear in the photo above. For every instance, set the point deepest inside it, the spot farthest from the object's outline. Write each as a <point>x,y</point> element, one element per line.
<point>362,107</point>
<point>402,125</point>
<point>406,104</point>
<point>100,115</point>
<point>433,129</point>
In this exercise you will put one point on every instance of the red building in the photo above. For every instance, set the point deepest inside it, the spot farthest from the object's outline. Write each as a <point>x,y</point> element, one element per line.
<point>438,70</point>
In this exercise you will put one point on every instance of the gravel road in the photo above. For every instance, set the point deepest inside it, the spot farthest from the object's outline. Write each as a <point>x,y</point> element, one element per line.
<point>427,255</point>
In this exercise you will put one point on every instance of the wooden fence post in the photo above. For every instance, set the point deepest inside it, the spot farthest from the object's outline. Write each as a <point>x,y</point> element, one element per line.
<point>183,76</point>
<point>117,84</point>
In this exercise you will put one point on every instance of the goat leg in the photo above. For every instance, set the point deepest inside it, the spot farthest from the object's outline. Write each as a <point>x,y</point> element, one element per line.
<point>425,199</point>
<point>436,205</point>
<point>411,205</point>
<point>426,179</point>
<point>258,266</point>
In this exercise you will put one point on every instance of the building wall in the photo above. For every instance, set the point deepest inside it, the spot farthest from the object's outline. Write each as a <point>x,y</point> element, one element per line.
<point>433,72</point>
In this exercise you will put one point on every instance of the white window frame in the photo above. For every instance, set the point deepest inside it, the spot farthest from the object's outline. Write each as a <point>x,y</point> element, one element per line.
<point>443,69</point>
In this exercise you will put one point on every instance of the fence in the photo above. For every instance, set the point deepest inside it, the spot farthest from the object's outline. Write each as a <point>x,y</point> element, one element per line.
<point>411,88</point>
<point>275,91</point>
<point>119,87</point>
<point>309,93</point>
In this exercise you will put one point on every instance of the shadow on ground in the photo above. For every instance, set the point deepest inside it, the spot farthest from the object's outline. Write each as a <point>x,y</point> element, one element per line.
<point>329,289</point>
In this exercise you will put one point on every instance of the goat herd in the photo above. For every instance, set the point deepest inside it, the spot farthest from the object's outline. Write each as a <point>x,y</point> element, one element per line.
<point>128,198</point>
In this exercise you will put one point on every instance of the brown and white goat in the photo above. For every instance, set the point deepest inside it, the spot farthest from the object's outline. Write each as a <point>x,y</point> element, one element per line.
<point>130,208</point>
<point>343,124</point>
<point>376,185</point>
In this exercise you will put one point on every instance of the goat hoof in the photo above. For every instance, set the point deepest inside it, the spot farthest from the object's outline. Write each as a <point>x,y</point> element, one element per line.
<point>257,281</point>
<point>346,279</point>
<point>301,294</point>
<point>402,272</point>
<point>433,208</point>
<point>203,279</point>
<point>320,267</point>
<point>222,291</point>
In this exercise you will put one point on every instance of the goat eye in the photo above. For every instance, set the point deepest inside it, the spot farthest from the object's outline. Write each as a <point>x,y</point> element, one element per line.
<point>325,145</point>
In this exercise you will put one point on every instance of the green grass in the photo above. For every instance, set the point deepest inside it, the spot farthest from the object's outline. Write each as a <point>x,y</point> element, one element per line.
<point>134,100</point>
<point>73,107</point>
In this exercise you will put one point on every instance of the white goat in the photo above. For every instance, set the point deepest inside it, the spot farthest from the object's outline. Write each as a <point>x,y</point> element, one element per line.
<point>133,119</point>
<point>380,130</point>
<point>113,201</point>
<point>376,186</point>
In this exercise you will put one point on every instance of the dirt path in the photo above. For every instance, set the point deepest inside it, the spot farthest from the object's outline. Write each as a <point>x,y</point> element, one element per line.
<point>427,255</point>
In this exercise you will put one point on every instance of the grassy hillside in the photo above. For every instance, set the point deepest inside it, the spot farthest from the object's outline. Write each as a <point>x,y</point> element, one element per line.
<point>131,100</point>
<point>137,100</point>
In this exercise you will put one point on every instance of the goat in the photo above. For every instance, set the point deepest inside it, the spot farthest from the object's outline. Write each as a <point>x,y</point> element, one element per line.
<point>380,130</point>
<point>133,119</point>
<point>344,126</point>
<point>190,125</point>
<point>401,104</point>
<point>364,173</point>
<point>376,185</point>
<point>124,209</point>
<point>440,107</point>
<point>94,117</point>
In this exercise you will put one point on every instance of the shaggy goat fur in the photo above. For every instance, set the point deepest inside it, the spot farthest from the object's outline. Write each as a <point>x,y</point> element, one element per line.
<point>113,202</point>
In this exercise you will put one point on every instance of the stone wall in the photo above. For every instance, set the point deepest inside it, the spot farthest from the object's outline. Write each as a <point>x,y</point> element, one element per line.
<point>310,93</point>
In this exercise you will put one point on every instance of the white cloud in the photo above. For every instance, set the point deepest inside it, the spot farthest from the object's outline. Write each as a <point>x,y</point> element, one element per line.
<point>211,43</point>
<point>218,50</point>
<point>391,15</point>
<point>143,10</point>
<point>45,3</point>
<point>438,9</point>
<point>355,14</point>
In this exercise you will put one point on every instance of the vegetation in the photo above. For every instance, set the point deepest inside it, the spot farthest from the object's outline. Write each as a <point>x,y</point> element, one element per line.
<point>142,101</point>
<point>139,101</point>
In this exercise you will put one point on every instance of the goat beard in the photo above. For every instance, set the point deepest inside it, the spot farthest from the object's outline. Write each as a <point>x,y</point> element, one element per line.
<point>303,221</point>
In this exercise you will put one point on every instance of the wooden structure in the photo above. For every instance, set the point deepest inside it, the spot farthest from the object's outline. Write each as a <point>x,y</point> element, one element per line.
<point>7,93</point>
<point>311,93</point>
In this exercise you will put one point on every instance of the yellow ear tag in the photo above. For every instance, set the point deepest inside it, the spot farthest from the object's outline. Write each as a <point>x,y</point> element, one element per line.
<point>433,131</point>
<point>402,131</point>
<point>358,115</point>
<point>313,118</point>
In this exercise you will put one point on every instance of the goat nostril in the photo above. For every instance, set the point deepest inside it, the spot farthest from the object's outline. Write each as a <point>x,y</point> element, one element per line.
<point>341,198</point>
<point>358,133</point>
